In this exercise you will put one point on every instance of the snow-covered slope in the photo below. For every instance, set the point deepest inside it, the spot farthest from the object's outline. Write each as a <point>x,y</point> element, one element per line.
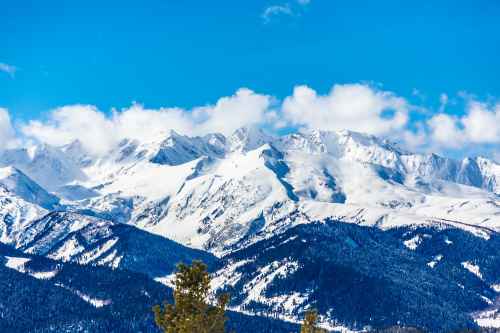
<point>323,174</point>
<point>248,138</point>
<point>48,166</point>
<point>427,277</point>
<point>212,191</point>
<point>220,206</point>
<point>15,215</point>
<point>249,192</point>
<point>13,180</point>
<point>178,149</point>
<point>85,240</point>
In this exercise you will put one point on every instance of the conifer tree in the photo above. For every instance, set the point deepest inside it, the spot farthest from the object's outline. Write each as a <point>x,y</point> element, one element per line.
<point>309,324</point>
<point>191,311</point>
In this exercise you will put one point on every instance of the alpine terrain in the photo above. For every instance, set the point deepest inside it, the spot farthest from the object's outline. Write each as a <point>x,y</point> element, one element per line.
<point>367,233</point>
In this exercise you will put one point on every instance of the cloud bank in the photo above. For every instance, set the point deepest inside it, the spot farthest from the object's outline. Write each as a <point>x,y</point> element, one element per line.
<point>479,125</point>
<point>99,132</point>
<point>353,106</point>
<point>358,107</point>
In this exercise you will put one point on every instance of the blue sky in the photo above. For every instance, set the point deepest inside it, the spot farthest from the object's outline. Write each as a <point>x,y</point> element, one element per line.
<point>192,53</point>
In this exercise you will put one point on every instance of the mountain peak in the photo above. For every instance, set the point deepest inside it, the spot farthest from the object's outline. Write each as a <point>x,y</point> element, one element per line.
<point>248,138</point>
<point>77,153</point>
<point>19,184</point>
<point>47,165</point>
<point>177,149</point>
<point>174,134</point>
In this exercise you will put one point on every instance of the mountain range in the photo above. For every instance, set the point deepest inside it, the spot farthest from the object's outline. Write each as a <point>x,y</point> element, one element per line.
<point>368,233</point>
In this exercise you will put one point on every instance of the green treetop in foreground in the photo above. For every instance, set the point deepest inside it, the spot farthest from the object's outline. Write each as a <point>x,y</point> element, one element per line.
<point>191,311</point>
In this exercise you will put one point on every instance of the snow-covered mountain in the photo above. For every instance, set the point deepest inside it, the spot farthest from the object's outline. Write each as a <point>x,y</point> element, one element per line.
<point>229,195</point>
<point>16,182</point>
<point>86,240</point>
<point>355,274</point>
<point>207,192</point>
<point>45,164</point>
<point>67,297</point>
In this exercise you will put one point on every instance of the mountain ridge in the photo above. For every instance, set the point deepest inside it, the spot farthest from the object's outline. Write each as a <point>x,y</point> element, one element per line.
<point>147,205</point>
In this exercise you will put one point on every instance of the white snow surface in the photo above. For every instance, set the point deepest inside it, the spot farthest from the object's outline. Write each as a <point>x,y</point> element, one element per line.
<point>210,192</point>
<point>436,260</point>
<point>488,318</point>
<point>17,263</point>
<point>413,243</point>
<point>214,192</point>
<point>96,302</point>
<point>474,269</point>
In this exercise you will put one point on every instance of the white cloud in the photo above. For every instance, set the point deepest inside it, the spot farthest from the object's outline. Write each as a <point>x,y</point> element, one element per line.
<point>351,106</point>
<point>479,125</point>
<point>276,10</point>
<point>414,139</point>
<point>99,132</point>
<point>138,122</point>
<point>83,122</point>
<point>9,69</point>
<point>291,8</point>
<point>230,113</point>
<point>445,132</point>
<point>7,133</point>
<point>358,107</point>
